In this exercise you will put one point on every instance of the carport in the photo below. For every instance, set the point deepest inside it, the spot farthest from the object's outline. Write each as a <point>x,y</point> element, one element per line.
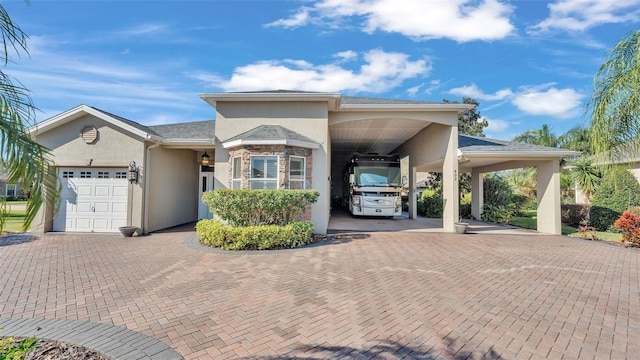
<point>427,133</point>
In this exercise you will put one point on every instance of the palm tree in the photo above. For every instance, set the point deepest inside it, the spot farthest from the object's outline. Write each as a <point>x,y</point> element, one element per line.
<point>615,102</point>
<point>577,138</point>
<point>24,160</point>
<point>586,176</point>
<point>542,137</point>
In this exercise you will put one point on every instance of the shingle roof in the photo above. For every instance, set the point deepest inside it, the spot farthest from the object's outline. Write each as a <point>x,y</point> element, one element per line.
<point>270,132</point>
<point>128,122</point>
<point>188,130</point>
<point>468,143</point>
<point>368,100</point>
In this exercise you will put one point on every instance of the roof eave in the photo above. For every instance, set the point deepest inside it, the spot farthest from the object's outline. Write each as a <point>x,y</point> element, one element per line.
<point>520,154</point>
<point>459,108</point>
<point>82,110</point>
<point>213,98</point>
<point>296,143</point>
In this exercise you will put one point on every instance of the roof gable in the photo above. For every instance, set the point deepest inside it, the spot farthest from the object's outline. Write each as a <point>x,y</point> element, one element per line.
<point>270,135</point>
<point>82,110</point>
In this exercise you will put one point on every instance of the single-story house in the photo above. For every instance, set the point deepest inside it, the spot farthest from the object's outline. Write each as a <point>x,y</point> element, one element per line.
<point>115,171</point>
<point>9,190</point>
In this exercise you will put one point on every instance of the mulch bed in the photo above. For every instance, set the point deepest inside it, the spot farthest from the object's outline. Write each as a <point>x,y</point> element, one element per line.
<point>56,350</point>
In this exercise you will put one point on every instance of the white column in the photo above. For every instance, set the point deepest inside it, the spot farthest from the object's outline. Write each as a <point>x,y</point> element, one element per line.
<point>413,203</point>
<point>549,220</point>
<point>450,190</point>
<point>477,194</point>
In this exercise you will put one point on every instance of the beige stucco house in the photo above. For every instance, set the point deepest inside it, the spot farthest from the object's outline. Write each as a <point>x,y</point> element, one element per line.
<point>117,172</point>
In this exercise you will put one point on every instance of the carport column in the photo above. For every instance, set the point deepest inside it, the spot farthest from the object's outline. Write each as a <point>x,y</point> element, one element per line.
<point>549,197</point>
<point>413,199</point>
<point>477,194</point>
<point>450,191</point>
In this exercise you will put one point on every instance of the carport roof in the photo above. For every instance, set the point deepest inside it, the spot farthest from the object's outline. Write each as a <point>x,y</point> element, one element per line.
<point>474,145</point>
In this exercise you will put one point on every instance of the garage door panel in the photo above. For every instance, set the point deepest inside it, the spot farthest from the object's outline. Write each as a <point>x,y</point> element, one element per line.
<point>92,200</point>
<point>119,207</point>
<point>103,190</point>
<point>82,207</point>
<point>84,190</point>
<point>120,191</point>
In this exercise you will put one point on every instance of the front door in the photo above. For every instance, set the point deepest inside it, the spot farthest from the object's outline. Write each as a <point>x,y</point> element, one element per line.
<point>206,184</point>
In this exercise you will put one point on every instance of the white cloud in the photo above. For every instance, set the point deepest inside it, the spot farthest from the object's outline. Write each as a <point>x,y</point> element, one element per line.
<point>473,91</point>
<point>559,103</point>
<point>496,125</point>
<point>300,18</point>
<point>580,15</point>
<point>460,20</point>
<point>346,55</point>
<point>144,29</point>
<point>380,72</point>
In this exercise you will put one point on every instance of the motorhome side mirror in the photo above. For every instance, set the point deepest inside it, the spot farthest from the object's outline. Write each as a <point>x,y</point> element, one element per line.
<point>404,179</point>
<point>352,179</point>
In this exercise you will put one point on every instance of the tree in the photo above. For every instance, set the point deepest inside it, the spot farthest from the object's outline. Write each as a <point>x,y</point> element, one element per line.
<point>577,138</point>
<point>25,160</point>
<point>615,102</point>
<point>586,177</point>
<point>543,137</point>
<point>470,123</point>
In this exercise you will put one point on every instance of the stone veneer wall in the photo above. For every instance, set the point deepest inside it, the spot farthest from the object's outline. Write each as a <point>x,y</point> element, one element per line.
<point>283,152</point>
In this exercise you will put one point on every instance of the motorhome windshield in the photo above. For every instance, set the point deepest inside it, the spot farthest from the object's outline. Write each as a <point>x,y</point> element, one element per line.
<point>377,175</point>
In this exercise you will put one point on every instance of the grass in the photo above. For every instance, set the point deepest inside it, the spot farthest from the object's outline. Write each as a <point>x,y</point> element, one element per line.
<point>529,221</point>
<point>15,218</point>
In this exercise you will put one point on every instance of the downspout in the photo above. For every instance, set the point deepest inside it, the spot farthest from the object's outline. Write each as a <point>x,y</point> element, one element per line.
<point>145,190</point>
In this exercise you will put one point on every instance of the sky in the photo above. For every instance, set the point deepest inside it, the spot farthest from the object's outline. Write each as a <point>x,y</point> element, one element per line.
<point>527,63</point>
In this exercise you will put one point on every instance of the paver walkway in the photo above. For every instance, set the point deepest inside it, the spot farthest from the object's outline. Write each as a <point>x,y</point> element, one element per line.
<point>377,295</point>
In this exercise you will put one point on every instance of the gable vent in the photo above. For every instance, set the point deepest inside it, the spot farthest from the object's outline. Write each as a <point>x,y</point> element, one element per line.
<point>89,134</point>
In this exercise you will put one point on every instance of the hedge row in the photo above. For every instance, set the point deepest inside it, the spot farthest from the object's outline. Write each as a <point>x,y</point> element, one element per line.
<point>261,237</point>
<point>259,207</point>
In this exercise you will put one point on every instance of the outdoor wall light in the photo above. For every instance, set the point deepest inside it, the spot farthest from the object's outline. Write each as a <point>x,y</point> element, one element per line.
<point>132,173</point>
<point>205,159</point>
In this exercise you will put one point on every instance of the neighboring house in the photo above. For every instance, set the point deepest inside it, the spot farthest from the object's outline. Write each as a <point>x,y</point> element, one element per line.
<point>267,139</point>
<point>9,190</point>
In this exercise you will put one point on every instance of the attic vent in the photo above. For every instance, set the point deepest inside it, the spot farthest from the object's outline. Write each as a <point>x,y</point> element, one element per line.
<point>89,134</point>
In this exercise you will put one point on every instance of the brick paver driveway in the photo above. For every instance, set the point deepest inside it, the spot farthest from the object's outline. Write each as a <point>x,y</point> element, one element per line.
<point>378,295</point>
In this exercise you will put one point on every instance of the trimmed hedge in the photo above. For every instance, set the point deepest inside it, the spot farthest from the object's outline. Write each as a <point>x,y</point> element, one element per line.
<point>261,237</point>
<point>574,214</point>
<point>259,207</point>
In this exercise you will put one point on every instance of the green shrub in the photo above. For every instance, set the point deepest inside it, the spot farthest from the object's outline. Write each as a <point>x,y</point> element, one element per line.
<point>501,214</point>
<point>574,214</point>
<point>260,237</point>
<point>618,191</point>
<point>497,192</point>
<point>259,207</point>
<point>430,204</point>
<point>12,349</point>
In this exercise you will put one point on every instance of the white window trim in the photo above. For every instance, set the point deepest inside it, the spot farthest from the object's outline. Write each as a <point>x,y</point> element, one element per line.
<point>277,178</point>
<point>304,171</point>
<point>15,190</point>
<point>233,168</point>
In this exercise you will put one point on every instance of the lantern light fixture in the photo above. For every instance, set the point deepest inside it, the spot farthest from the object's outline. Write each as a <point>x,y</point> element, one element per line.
<point>205,159</point>
<point>132,173</point>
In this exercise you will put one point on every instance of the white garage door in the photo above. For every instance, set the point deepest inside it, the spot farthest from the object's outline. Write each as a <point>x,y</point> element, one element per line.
<point>92,200</point>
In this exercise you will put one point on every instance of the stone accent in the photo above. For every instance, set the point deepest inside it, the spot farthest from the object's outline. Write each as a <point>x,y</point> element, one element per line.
<point>284,154</point>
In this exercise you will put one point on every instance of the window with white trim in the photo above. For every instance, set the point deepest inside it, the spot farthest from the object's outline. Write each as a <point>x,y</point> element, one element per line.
<point>10,190</point>
<point>297,172</point>
<point>264,172</point>
<point>236,173</point>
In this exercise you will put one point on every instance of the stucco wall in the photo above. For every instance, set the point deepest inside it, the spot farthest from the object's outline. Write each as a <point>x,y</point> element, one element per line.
<point>307,118</point>
<point>113,148</point>
<point>173,191</point>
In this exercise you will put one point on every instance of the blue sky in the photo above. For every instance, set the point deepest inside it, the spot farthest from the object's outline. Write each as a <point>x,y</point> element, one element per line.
<point>526,62</point>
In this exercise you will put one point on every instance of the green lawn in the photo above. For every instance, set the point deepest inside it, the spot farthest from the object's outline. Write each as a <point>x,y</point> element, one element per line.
<point>15,218</point>
<point>529,221</point>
